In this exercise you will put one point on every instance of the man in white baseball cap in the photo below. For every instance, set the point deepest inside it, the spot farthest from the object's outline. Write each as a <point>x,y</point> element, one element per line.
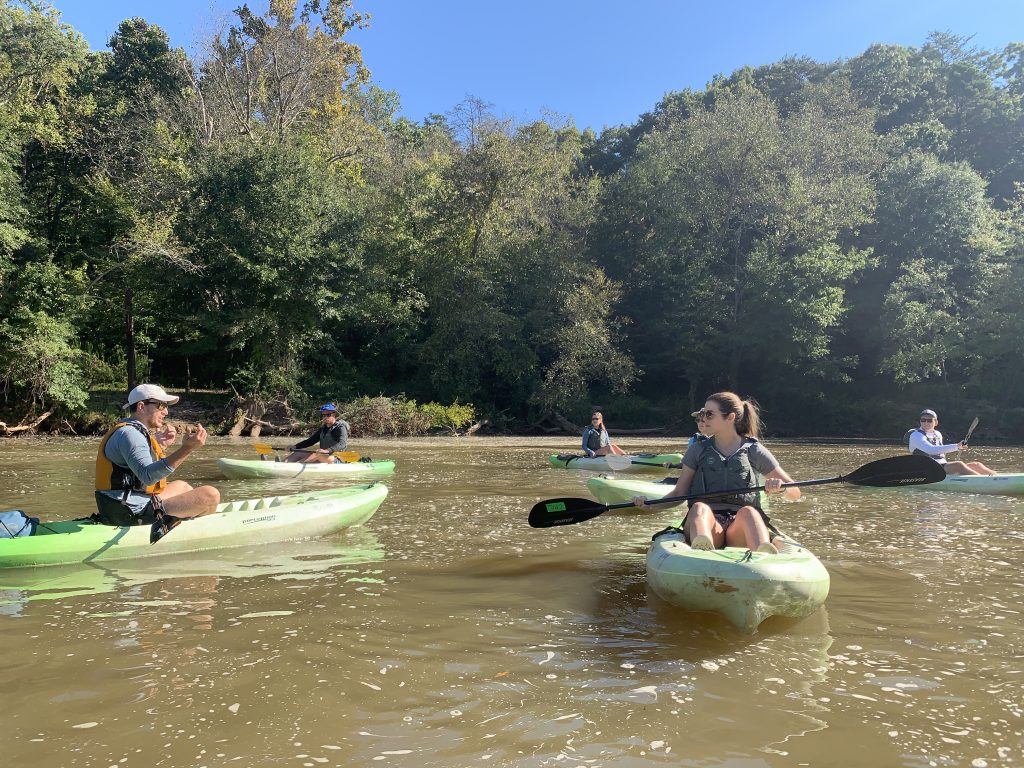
<point>132,469</point>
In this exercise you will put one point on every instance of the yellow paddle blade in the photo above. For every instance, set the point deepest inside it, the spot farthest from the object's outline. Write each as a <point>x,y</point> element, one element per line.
<point>347,455</point>
<point>263,448</point>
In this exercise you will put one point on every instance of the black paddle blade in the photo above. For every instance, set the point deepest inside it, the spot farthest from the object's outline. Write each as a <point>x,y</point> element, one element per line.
<point>897,471</point>
<point>547,514</point>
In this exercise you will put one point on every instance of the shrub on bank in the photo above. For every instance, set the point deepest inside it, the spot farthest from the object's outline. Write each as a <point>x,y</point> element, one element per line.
<point>399,416</point>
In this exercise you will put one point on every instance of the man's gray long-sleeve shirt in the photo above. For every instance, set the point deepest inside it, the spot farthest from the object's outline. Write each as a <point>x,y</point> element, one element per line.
<point>128,447</point>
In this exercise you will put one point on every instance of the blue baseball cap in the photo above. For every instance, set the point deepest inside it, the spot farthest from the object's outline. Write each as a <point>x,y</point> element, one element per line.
<point>328,408</point>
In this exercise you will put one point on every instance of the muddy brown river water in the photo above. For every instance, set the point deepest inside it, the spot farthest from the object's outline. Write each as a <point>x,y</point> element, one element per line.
<point>446,632</point>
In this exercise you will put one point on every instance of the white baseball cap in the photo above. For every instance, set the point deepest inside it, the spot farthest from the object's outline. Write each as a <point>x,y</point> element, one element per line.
<point>149,392</point>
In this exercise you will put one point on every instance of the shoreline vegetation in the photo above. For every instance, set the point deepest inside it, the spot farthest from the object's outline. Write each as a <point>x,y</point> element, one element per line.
<point>381,417</point>
<point>841,240</point>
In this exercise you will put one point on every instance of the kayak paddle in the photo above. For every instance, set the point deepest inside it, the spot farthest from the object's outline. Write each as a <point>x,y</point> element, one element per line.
<point>895,471</point>
<point>263,449</point>
<point>970,431</point>
<point>619,462</point>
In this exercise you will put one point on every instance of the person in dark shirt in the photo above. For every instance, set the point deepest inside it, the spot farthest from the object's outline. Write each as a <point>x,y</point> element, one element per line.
<point>332,436</point>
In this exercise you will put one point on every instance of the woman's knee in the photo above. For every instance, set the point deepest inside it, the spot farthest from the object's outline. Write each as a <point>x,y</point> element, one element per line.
<point>749,515</point>
<point>700,511</point>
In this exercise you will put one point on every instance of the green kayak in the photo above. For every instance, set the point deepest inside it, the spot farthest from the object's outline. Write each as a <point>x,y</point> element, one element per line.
<point>238,469</point>
<point>250,521</point>
<point>617,490</point>
<point>609,489</point>
<point>1007,484</point>
<point>745,587</point>
<point>633,462</point>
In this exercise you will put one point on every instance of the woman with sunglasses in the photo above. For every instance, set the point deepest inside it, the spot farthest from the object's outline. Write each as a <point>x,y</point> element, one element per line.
<point>926,440</point>
<point>595,438</point>
<point>728,455</point>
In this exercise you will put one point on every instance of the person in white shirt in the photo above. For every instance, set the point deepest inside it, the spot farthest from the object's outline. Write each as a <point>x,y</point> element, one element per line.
<point>926,440</point>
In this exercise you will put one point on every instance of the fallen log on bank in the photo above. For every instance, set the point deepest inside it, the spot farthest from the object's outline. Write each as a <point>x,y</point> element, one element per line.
<point>567,427</point>
<point>253,415</point>
<point>22,427</point>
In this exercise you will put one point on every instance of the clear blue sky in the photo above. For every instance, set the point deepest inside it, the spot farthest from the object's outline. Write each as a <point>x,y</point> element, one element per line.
<point>596,61</point>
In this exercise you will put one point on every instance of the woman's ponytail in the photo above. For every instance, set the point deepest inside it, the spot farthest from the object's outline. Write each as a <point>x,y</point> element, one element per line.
<point>748,418</point>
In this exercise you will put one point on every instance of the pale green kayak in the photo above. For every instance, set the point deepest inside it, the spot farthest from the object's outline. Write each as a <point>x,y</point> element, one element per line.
<point>1009,484</point>
<point>746,587</point>
<point>264,520</point>
<point>609,489</point>
<point>617,490</point>
<point>239,469</point>
<point>633,462</point>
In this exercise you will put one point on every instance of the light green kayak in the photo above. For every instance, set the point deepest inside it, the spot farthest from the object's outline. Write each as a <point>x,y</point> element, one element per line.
<point>263,520</point>
<point>609,489</point>
<point>633,462</point>
<point>240,469</point>
<point>618,490</point>
<point>746,587</point>
<point>1008,484</point>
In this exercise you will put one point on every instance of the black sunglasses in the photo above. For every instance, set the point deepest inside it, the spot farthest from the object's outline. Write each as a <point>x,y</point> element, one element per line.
<point>160,405</point>
<point>704,413</point>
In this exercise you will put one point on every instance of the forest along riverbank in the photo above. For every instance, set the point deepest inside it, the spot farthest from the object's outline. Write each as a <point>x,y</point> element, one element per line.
<point>446,631</point>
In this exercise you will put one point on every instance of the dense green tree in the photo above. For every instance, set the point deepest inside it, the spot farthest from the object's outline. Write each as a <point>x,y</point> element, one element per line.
<point>272,228</point>
<point>500,265</point>
<point>40,59</point>
<point>731,220</point>
<point>949,99</point>
<point>936,243</point>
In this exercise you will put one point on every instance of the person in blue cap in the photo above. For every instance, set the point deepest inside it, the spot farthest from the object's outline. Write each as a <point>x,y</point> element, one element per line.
<point>332,436</point>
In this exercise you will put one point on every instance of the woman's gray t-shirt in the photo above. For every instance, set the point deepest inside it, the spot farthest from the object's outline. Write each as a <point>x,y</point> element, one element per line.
<point>760,458</point>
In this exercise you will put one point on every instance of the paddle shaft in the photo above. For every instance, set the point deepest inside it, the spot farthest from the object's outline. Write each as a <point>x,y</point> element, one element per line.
<point>970,431</point>
<point>895,471</point>
<point>689,496</point>
<point>262,448</point>
<point>618,462</point>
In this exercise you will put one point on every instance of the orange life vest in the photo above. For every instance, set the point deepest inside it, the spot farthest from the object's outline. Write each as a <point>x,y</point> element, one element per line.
<point>112,477</point>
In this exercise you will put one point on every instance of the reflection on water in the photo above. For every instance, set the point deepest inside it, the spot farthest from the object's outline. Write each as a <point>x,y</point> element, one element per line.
<point>448,633</point>
<point>288,560</point>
